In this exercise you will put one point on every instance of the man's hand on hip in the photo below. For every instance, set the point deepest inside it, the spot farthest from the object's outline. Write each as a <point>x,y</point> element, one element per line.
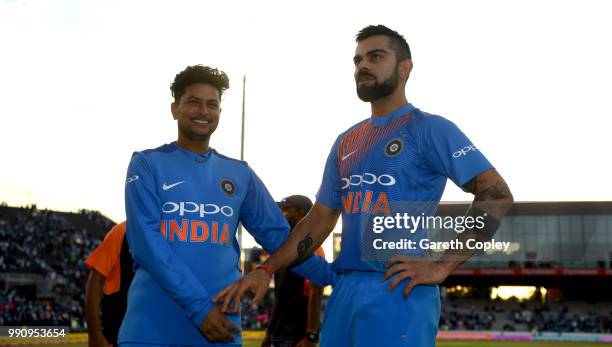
<point>418,270</point>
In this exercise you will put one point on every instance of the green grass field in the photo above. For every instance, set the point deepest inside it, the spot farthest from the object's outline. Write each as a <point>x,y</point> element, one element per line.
<point>257,343</point>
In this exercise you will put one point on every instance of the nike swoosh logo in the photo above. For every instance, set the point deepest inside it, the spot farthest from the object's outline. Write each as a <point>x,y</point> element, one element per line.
<point>348,155</point>
<point>168,186</point>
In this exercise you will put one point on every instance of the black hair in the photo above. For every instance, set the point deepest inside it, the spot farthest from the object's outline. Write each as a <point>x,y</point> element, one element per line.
<point>198,74</point>
<point>396,41</point>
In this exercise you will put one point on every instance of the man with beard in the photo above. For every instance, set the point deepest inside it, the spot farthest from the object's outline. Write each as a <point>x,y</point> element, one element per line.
<point>399,154</point>
<point>184,201</point>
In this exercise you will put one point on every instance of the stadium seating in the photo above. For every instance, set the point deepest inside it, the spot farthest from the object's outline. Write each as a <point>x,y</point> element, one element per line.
<point>43,276</point>
<point>498,315</point>
<point>42,267</point>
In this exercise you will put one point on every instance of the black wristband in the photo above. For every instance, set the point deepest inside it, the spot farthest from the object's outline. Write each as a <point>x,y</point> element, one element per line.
<point>489,224</point>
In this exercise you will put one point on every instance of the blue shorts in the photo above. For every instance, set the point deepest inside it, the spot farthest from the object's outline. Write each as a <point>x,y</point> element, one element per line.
<point>361,312</point>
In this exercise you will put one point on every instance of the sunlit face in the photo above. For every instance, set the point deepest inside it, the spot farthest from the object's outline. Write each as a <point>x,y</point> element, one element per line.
<point>376,68</point>
<point>197,112</point>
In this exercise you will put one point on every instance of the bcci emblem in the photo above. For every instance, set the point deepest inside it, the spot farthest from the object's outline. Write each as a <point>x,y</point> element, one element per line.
<point>394,147</point>
<point>228,186</point>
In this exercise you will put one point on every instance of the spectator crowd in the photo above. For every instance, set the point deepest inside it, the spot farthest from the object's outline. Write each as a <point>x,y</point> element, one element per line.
<point>562,318</point>
<point>53,246</point>
<point>48,244</point>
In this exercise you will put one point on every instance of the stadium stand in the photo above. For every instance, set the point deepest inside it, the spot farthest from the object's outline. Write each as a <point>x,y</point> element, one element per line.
<point>43,276</point>
<point>498,315</point>
<point>42,273</point>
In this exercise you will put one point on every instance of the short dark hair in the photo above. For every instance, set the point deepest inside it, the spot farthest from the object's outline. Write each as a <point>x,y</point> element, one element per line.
<point>396,41</point>
<point>198,74</point>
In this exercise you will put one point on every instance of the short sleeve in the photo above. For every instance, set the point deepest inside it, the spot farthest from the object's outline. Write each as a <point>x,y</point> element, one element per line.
<point>105,257</point>
<point>447,150</point>
<point>329,193</point>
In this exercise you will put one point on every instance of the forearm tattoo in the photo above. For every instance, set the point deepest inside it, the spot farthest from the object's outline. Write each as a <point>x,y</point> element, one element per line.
<point>303,247</point>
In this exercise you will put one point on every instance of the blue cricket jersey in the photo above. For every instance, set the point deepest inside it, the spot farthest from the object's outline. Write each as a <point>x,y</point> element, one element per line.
<point>183,209</point>
<point>405,156</point>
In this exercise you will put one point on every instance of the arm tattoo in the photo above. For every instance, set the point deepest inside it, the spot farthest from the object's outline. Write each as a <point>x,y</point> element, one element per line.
<point>497,191</point>
<point>470,187</point>
<point>303,247</point>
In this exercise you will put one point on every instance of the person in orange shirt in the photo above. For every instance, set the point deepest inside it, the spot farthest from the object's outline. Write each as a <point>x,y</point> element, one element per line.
<point>107,287</point>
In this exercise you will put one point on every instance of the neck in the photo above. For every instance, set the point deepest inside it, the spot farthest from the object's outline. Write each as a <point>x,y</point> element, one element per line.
<point>385,105</point>
<point>193,146</point>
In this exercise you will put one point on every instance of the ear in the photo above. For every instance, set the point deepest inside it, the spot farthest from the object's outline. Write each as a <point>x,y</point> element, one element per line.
<point>173,107</point>
<point>405,68</point>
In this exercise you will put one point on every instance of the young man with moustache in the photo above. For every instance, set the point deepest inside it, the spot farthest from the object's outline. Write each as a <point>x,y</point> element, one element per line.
<point>184,201</point>
<point>399,154</point>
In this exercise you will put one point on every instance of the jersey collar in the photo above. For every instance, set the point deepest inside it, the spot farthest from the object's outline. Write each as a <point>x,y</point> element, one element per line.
<point>378,121</point>
<point>198,157</point>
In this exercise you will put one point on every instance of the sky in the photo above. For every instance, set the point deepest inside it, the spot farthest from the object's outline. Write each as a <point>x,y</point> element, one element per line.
<point>83,84</point>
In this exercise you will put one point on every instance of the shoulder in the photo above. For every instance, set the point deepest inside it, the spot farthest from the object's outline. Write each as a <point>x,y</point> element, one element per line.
<point>149,161</point>
<point>116,234</point>
<point>431,122</point>
<point>147,156</point>
<point>233,169</point>
<point>345,135</point>
<point>152,152</point>
<point>353,128</point>
<point>108,250</point>
<point>230,160</point>
<point>230,165</point>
